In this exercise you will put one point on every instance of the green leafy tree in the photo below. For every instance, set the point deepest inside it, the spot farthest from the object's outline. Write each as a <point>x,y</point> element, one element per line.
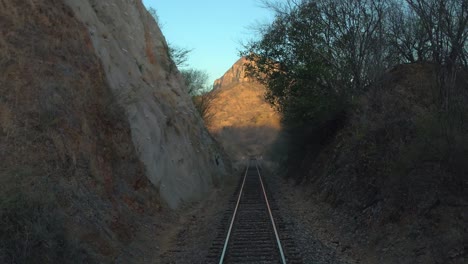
<point>318,55</point>
<point>203,103</point>
<point>292,60</point>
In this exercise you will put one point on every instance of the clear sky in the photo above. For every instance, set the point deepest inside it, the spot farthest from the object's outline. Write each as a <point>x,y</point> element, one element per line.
<point>214,29</point>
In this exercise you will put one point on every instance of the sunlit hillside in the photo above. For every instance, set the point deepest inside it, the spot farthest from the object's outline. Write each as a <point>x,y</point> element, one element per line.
<point>241,120</point>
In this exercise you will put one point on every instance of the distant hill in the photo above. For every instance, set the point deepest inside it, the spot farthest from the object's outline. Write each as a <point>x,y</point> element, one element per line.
<point>242,120</point>
<point>235,75</point>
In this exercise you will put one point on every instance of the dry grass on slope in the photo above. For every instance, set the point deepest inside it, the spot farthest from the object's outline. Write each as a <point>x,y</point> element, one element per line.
<point>71,184</point>
<point>243,105</point>
<point>242,121</point>
<point>395,176</point>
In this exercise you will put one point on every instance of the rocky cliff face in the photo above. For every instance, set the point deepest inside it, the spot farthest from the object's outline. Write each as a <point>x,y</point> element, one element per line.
<point>96,133</point>
<point>178,153</point>
<point>235,75</point>
<point>241,119</point>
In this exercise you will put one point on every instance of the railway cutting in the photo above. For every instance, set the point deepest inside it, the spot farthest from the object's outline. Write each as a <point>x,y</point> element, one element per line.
<point>252,231</point>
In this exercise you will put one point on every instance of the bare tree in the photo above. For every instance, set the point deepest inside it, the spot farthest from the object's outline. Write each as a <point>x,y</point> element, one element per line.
<point>155,15</point>
<point>407,37</point>
<point>179,55</point>
<point>446,24</point>
<point>196,81</point>
<point>204,104</point>
<point>354,37</point>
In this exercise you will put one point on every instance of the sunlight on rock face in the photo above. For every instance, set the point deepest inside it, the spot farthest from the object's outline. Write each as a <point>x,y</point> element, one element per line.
<point>243,122</point>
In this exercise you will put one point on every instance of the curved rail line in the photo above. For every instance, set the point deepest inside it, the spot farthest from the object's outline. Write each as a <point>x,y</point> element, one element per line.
<point>252,236</point>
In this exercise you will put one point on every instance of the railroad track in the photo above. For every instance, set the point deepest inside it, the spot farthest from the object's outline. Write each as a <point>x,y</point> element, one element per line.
<point>251,230</point>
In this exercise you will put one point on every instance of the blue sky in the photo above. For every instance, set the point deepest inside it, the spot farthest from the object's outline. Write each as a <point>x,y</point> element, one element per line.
<point>212,28</point>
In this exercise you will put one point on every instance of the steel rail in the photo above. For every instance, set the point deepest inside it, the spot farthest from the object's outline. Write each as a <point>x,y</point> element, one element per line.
<point>233,217</point>
<point>278,241</point>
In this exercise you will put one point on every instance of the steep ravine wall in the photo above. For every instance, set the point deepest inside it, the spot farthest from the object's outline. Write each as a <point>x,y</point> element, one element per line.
<point>94,129</point>
<point>177,151</point>
<point>72,189</point>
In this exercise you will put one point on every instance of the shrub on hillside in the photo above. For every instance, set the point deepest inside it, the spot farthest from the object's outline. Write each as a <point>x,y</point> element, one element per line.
<point>32,229</point>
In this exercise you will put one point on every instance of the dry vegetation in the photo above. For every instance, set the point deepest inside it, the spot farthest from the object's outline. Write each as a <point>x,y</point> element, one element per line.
<point>374,97</point>
<point>71,185</point>
<point>393,176</point>
<point>240,118</point>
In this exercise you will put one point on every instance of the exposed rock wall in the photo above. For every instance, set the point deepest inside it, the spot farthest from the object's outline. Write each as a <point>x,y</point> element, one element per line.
<point>72,188</point>
<point>171,140</point>
<point>94,129</point>
<point>235,75</point>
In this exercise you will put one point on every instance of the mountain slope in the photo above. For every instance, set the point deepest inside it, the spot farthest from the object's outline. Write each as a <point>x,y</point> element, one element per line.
<point>241,120</point>
<point>165,127</point>
<point>97,137</point>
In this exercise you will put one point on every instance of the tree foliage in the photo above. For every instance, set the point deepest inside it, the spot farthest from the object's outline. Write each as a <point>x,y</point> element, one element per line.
<point>318,55</point>
<point>196,81</point>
